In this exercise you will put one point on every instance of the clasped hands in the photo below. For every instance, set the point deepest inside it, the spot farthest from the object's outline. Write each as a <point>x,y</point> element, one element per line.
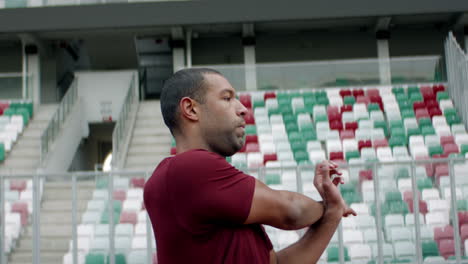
<point>328,189</point>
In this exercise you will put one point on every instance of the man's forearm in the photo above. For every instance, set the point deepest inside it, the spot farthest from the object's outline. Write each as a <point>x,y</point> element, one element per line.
<point>311,246</point>
<point>303,211</point>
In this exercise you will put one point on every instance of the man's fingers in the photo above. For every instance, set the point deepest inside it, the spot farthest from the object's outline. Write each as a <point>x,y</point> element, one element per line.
<point>348,212</point>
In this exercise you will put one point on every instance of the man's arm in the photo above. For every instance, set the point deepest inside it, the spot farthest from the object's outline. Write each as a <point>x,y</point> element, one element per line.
<point>283,209</point>
<point>312,245</point>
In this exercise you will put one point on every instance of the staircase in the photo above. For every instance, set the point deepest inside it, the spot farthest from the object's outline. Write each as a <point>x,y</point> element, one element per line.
<point>25,154</point>
<point>151,139</point>
<point>55,223</point>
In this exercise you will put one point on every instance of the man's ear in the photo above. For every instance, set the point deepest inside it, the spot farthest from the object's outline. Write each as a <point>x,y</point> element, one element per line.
<point>189,108</point>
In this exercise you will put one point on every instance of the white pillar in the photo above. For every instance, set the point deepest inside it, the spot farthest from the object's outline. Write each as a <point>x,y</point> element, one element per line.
<point>383,54</point>
<point>249,57</point>
<point>178,52</point>
<point>188,47</point>
<point>31,73</point>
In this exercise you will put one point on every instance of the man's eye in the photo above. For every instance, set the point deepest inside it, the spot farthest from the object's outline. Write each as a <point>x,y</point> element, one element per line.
<point>227,98</point>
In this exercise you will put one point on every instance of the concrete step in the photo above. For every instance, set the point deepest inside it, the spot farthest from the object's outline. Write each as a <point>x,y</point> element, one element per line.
<point>152,123</point>
<point>47,257</point>
<point>24,152</point>
<point>28,142</point>
<point>150,150</point>
<point>63,206</point>
<point>21,162</point>
<point>65,195</point>
<point>145,131</point>
<point>149,140</point>
<point>51,244</point>
<point>50,230</point>
<point>38,124</point>
<point>60,184</point>
<point>33,133</point>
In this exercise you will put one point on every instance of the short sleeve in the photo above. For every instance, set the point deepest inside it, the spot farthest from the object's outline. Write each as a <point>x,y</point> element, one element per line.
<point>205,190</point>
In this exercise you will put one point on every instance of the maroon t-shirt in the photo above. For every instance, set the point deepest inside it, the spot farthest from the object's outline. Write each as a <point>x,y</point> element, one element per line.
<point>197,203</point>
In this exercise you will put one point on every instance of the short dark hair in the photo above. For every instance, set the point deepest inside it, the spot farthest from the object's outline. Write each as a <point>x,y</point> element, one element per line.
<point>183,83</point>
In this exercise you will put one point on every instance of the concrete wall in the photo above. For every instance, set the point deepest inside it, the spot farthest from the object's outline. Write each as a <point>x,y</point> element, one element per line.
<point>103,93</point>
<point>63,150</point>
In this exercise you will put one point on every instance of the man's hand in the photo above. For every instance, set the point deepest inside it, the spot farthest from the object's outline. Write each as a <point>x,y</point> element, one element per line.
<point>328,189</point>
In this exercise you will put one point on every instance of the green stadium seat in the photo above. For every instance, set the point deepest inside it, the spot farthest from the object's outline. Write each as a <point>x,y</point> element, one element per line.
<point>424,122</point>
<point>464,149</point>
<point>250,130</point>
<point>259,103</point>
<point>119,259</point>
<point>271,178</point>
<point>398,90</point>
<point>352,155</point>
<point>2,152</point>
<point>101,183</point>
<point>396,141</point>
<point>427,130</point>
<point>430,249</point>
<point>95,258</point>
<point>424,183</point>
<point>393,196</point>
<point>435,150</point>
<point>333,254</point>
<point>349,100</point>
<point>413,132</point>
<point>373,107</point>
<point>352,198</point>
<point>442,96</point>
<point>301,155</point>
<point>407,113</point>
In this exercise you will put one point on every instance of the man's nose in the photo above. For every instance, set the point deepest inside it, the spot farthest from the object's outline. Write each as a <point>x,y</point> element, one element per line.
<point>241,110</point>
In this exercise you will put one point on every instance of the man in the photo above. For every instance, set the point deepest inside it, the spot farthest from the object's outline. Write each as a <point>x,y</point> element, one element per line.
<point>203,210</point>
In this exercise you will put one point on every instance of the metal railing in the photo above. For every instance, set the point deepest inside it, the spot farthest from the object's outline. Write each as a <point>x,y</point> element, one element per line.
<point>55,124</point>
<point>457,71</point>
<point>123,125</point>
<point>383,173</point>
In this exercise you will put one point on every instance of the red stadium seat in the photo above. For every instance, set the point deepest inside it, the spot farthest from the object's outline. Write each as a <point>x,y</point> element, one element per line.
<point>419,105</point>
<point>119,195</point>
<point>336,155</point>
<point>364,144</point>
<point>269,157</point>
<point>358,92</point>
<point>429,166</point>
<point>408,196</point>
<point>333,113</point>
<point>464,232</point>
<point>138,182</point>
<point>365,175</point>
<point>431,103</point>
<point>268,95</point>
<point>435,111</point>
<point>173,151</point>
<point>22,209</point>
<point>336,125</point>
<point>18,185</point>
<point>249,118</point>
<point>363,99</point>
<point>344,134</point>
<point>351,125</point>
<point>441,170</point>
<point>438,88</point>
<point>380,143</point>
<point>447,140</point>
<point>346,108</point>
<point>246,100</point>
<point>447,248</point>
<point>345,92</point>
<point>251,139</point>
<point>422,206</point>
<point>373,92</point>
<point>445,232</point>
<point>426,89</point>
<point>252,147</point>
<point>422,113</point>
<point>451,148</point>
<point>128,217</point>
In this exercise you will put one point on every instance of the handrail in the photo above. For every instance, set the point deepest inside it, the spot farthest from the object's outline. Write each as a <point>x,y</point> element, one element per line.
<point>123,124</point>
<point>53,128</point>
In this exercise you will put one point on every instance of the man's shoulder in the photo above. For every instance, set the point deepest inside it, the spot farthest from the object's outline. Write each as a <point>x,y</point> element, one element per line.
<point>195,157</point>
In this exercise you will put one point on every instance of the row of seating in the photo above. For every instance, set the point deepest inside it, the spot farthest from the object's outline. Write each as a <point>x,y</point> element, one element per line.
<point>18,195</point>
<point>130,224</point>
<point>14,116</point>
